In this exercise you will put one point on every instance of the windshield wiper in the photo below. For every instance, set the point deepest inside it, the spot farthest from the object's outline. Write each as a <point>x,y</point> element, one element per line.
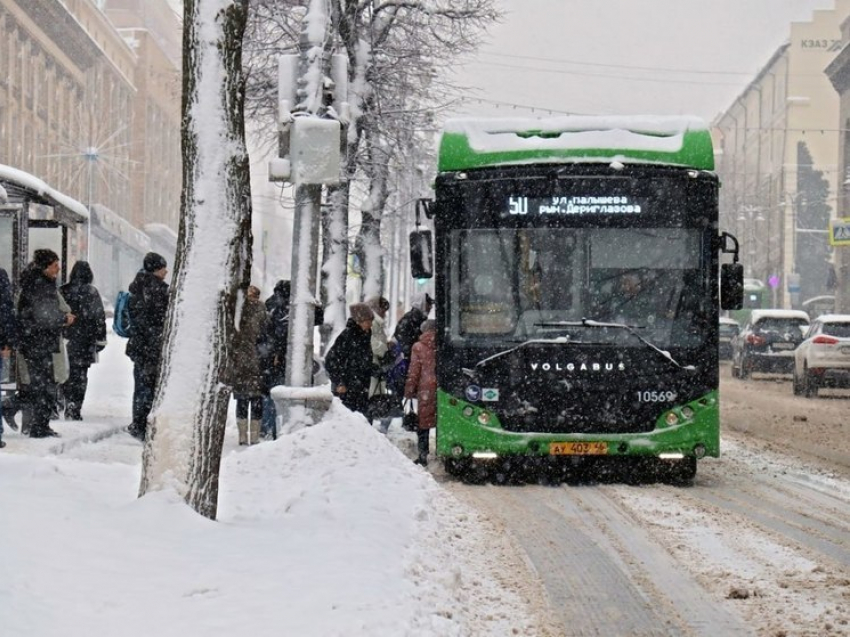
<point>530,341</point>
<point>585,322</point>
<point>631,329</point>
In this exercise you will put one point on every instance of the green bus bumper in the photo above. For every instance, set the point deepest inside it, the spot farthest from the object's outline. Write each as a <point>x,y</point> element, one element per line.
<point>467,429</point>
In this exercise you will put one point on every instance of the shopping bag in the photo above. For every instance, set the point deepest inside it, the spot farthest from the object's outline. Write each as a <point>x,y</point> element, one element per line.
<point>410,420</point>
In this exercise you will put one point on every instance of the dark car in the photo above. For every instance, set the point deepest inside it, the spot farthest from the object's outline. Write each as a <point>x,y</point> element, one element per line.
<point>767,341</point>
<point>729,328</point>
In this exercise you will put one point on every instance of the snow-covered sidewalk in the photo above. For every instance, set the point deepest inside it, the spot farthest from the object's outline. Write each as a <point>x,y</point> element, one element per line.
<point>328,531</point>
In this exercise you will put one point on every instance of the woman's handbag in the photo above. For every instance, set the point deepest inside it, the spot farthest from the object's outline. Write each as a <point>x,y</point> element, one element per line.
<point>410,420</point>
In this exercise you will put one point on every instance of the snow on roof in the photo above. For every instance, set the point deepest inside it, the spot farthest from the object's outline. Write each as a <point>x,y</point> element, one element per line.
<point>727,320</point>
<point>37,185</point>
<point>757,315</point>
<point>642,132</point>
<point>162,230</point>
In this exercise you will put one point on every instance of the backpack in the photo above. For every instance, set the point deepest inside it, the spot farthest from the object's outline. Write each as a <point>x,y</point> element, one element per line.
<point>121,318</point>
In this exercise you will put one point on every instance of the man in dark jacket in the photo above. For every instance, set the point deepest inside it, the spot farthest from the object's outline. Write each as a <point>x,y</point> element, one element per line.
<point>7,332</point>
<point>86,337</point>
<point>409,327</point>
<point>148,307</point>
<point>40,323</point>
<point>349,360</point>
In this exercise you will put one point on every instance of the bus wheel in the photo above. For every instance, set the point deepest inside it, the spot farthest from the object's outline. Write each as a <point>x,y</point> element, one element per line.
<point>457,467</point>
<point>683,472</point>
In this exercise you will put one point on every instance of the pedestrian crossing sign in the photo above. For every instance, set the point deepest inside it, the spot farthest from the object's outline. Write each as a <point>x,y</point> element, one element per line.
<point>839,232</point>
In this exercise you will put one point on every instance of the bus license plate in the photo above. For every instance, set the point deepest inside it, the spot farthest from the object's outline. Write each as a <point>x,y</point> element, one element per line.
<point>578,448</point>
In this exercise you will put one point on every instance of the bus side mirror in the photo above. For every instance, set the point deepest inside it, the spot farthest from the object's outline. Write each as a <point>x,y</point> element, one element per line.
<point>421,260</point>
<point>731,286</point>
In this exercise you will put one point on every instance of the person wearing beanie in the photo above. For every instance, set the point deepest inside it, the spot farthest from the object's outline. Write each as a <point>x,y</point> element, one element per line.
<point>148,308</point>
<point>154,262</point>
<point>41,316</point>
<point>422,385</point>
<point>349,360</point>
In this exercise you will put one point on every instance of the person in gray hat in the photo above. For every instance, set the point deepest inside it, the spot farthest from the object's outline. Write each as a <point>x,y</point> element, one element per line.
<point>148,308</point>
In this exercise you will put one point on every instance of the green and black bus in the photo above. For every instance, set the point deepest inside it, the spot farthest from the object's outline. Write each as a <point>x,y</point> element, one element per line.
<point>576,262</point>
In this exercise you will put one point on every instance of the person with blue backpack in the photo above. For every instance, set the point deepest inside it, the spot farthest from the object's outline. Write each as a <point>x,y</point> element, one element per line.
<point>148,309</point>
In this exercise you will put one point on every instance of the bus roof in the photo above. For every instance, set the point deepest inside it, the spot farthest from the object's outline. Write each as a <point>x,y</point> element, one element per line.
<point>477,143</point>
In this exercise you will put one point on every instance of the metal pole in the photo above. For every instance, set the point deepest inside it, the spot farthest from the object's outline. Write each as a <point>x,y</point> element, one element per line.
<point>305,256</point>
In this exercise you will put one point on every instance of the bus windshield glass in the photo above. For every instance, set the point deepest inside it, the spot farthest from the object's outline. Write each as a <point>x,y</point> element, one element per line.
<point>514,284</point>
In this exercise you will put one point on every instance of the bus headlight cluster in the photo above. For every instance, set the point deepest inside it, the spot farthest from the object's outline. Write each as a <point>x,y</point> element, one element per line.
<point>676,417</point>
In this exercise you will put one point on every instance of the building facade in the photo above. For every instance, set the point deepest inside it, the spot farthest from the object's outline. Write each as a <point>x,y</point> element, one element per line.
<point>838,71</point>
<point>778,147</point>
<point>92,107</point>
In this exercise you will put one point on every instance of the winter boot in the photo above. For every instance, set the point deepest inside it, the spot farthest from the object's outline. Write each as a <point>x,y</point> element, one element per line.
<point>253,431</point>
<point>10,408</point>
<point>242,425</point>
<point>422,442</point>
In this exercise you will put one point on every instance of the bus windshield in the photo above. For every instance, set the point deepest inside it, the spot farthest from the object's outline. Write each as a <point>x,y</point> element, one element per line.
<point>514,284</point>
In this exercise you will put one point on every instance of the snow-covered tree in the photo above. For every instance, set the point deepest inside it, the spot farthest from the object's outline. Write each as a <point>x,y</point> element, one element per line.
<point>213,260</point>
<point>400,55</point>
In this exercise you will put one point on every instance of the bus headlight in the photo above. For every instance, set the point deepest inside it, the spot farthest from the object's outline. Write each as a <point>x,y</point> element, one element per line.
<point>484,418</point>
<point>687,412</point>
<point>468,411</point>
<point>671,418</point>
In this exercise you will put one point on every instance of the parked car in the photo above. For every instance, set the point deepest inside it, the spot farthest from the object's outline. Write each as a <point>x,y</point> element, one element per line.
<point>729,328</point>
<point>823,358</point>
<point>767,341</point>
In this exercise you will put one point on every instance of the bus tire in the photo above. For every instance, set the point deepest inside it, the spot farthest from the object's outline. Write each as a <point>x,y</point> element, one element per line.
<point>683,472</point>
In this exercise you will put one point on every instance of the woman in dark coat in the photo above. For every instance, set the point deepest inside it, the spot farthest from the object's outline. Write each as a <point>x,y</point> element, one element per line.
<point>422,385</point>
<point>246,378</point>
<point>86,337</point>
<point>349,361</point>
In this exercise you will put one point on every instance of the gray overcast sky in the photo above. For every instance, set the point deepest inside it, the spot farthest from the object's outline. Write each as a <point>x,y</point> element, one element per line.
<point>581,56</point>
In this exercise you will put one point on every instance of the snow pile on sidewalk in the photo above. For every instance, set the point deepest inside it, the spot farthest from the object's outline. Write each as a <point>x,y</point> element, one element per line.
<point>329,531</point>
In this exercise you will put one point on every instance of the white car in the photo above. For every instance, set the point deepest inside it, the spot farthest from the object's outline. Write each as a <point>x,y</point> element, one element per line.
<point>823,358</point>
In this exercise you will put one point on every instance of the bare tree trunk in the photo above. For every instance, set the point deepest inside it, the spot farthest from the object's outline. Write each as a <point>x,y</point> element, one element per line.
<point>213,261</point>
<point>369,246</point>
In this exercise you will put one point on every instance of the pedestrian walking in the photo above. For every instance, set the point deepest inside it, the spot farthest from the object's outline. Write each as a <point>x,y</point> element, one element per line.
<point>7,333</point>
<point>422,385</point>
<point>86,337</point>
<point>148,308</point>
<point>246,379</point>
<point>41,320</point>
<point>349,360</point>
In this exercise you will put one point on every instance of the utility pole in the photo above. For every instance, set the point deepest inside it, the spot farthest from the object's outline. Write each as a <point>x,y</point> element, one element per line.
<point>309,158</point>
